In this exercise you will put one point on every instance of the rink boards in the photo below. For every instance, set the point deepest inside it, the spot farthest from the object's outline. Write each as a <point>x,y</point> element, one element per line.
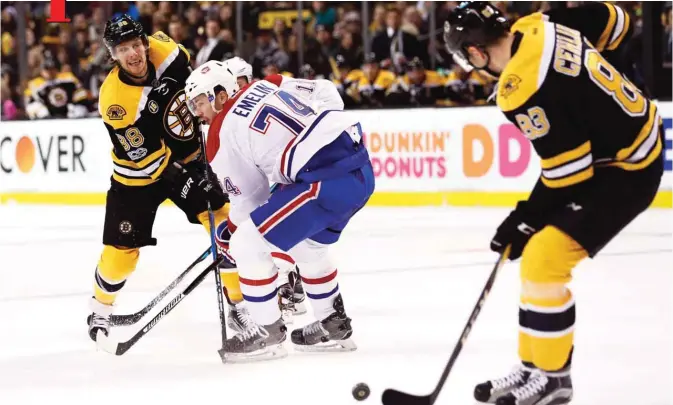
<point>421,157</point>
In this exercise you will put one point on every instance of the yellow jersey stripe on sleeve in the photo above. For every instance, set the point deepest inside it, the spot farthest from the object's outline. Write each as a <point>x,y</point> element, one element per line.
<point>615,42</point>
<point>576,178</point>
<point>612,19</point>
<point>645,132</point>
<point>566,157</point>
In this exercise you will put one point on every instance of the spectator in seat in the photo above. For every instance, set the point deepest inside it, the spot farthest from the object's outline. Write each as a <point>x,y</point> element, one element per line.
<point>215,47</point>
<point>267,50</point>
<point>324,15</point>
<point>393,45</point>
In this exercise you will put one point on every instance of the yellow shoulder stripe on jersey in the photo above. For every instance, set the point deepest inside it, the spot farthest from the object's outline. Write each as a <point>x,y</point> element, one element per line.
<point>566,157</point>
<point>118,102</point>
<point>612,19</point>
<point>67,76</point>
<point>33,84</point>
<point>623,23</point>
<point>527,70</point>
<point>161,47</point>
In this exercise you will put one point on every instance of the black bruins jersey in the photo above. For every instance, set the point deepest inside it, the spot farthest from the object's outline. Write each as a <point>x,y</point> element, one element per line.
<point>608,27</point>
<point>56,94</point>
<point>150,124</point>
<point>578,111</point>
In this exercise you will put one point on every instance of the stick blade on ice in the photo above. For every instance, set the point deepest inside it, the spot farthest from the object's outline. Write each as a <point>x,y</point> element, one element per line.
<point>394,397</point>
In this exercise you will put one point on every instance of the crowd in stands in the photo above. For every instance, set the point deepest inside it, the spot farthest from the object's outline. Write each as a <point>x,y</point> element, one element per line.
<point>401,68</point>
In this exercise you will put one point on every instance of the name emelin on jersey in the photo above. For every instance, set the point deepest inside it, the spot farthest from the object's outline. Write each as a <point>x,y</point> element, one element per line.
<point>254,95</point>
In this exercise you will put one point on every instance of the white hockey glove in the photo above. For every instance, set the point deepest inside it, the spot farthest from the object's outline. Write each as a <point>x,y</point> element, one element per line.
<point>77,111</point>
<point>37,110</point>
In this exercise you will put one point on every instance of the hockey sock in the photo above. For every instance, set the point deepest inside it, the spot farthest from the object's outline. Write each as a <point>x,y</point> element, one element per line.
<point>232,286</point>
<point>257,273</point>
<point>321,290</point>
<point>547,308</point>
<point>114,267</point>
<point>220,215</point>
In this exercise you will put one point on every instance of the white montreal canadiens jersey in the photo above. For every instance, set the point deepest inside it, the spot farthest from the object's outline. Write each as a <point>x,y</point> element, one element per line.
<point>255,138</point>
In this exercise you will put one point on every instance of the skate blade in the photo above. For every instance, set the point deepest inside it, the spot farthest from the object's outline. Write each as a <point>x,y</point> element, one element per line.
<point>269,353</point>
<point>333,346</point>
<point>105,344</point>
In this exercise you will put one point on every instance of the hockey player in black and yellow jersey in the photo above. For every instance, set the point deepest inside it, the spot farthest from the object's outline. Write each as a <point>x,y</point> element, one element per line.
<point>368,87</point>
<point>465,88</point>
<point>600,144</point>
<point>55,94</point>
<point>155,154</point>
<point>418,86</point>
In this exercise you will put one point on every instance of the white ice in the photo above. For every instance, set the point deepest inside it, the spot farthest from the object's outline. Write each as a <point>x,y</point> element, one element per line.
<point>409,278</point>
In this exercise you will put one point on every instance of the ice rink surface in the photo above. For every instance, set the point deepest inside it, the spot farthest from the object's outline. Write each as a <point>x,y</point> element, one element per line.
<point>409,278</point>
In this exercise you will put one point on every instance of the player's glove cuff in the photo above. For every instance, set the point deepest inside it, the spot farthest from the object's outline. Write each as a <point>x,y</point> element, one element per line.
<point>515,230</point>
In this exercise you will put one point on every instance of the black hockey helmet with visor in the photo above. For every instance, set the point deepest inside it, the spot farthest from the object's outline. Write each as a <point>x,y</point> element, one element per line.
<point>121,29</point>
<point>473,23</point>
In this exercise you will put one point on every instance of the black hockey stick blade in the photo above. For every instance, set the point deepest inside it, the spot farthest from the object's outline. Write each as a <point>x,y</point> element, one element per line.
<point>395,397</point>
<point>130,319</point>
<point>119,348</point>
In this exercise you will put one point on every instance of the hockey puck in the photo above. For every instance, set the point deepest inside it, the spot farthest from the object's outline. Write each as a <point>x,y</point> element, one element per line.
<point>361,391</point>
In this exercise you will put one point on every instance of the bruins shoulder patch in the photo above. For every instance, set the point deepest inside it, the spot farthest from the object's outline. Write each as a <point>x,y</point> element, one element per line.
<point>161,37</point>
<point>115,112</point>
<point>509,85</point>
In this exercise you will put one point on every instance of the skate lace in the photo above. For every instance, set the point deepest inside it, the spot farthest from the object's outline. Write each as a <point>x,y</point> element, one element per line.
<point>514,378</point>
<point>315,327</point>
<point>244,316</point>
<point>100,321</point>
<point>252,330</point>
<point>535,385</point>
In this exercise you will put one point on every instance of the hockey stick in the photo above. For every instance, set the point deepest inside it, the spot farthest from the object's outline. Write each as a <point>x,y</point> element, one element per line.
<point>119,348</point>
<point>213,249</point>
<point>130,319</point>
<point>394,397</point>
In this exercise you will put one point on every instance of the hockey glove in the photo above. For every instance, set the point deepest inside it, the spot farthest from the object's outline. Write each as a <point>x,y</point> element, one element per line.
<point>190,184</point>
<point>222,238</point>
<point>515,230</point>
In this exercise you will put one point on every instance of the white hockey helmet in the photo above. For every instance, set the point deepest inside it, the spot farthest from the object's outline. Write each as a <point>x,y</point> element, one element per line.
<point>240,67</point>
<point>207,79</point>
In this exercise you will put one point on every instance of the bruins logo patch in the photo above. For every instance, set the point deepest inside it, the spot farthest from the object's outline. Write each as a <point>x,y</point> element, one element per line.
<point>125,227</point>
<point>178,121</point>
<point>161,37</point>
<point>115,112</point>
<point>509,85</point>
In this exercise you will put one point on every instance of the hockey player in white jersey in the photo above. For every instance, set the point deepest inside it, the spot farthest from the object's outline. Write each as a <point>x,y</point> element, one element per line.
<point>322,95</point>
<point>260,134</point>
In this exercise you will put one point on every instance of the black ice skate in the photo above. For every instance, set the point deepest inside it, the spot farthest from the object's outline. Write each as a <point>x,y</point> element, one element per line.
<point>328,335</point>
<point>238,317</point>
<point>256,343</point>
<point>291,297</point>
<point>99,320</point>
<point>541,389</point>
<point>487,392</point>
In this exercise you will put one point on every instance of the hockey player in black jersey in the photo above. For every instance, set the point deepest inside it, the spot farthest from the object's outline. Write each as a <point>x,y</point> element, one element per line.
<point>600,144</point>
<point>156,156</point>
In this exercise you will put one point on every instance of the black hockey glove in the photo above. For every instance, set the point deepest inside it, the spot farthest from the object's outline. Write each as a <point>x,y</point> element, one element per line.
<point>515,230</point>
<point>190,184</point>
